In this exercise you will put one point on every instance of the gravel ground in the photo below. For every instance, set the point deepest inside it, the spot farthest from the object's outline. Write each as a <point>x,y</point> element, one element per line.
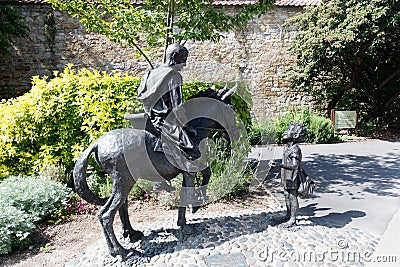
<point>238,238</point>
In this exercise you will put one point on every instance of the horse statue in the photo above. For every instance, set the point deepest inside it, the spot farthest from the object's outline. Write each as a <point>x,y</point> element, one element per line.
<point>127,154</point>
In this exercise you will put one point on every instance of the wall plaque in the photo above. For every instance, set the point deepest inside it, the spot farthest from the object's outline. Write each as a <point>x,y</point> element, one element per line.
<point>344,119</point>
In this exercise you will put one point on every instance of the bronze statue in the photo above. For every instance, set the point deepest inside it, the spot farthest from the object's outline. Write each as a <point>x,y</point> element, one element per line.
<point>161,91</point>
<point>128,154</point>
<point>131,153</point>
<point>290,180</point>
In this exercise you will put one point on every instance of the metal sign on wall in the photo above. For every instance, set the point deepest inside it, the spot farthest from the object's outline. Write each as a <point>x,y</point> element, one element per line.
<point>344,119</point>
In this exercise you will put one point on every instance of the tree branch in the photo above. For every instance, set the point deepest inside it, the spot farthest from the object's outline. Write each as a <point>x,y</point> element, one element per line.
<point>170,25</point>
<point>388,79</point>
<point>130,40</point>
<point>201,16</point>
<point>358,61</point>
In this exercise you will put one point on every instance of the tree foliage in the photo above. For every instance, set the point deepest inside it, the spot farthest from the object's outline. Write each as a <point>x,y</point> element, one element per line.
<point>157,23</point>
<point>347,54</point>
<point>10,27</point>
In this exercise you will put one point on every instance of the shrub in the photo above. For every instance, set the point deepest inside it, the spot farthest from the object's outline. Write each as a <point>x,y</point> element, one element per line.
<point>15,228</point>
<point>229,170</point>
<point>39,197</point>
<point>229,173</point>
<point>319,129</point>
<point>25,201</point>
<point>57,119</point>
<point>261,132</point>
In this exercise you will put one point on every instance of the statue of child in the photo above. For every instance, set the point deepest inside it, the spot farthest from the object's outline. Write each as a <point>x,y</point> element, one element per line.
<point>296,133</point>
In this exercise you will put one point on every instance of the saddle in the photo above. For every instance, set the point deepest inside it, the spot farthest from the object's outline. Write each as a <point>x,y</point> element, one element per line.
<point>142,121</point>
<point>138,121</point>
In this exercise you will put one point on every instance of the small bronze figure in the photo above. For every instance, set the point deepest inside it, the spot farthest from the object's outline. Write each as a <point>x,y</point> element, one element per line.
<point>292,156</point>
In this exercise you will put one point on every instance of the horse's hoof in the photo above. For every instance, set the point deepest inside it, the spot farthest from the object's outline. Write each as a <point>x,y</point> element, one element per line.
<point>135,236</point>
<point>119,252</point>
<point>276,221</point>
<point>132,253</point>
<point>288,224</point>
<point>195,209</point>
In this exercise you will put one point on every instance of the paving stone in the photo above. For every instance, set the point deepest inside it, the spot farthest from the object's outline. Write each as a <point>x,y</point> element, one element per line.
<point>257,244</point>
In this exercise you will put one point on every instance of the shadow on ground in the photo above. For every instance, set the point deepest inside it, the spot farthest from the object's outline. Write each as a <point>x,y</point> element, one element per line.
<point>331,220</point>
<point>205,233</point>
<point>373,174</point>
<point>209,233</point>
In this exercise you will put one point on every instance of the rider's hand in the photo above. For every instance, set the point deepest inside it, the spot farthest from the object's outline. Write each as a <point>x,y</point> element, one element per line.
<point>190,130</point>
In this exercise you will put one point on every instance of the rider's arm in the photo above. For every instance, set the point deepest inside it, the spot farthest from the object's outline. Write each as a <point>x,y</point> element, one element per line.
<point>176,96</point>
<point>175,90</point>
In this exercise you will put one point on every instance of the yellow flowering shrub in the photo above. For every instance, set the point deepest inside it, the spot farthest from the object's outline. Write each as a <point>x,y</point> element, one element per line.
<point>59,117</point>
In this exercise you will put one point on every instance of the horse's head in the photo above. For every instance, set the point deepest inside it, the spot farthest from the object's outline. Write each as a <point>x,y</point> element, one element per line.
<point>212,110</point>
<point>222,95</point>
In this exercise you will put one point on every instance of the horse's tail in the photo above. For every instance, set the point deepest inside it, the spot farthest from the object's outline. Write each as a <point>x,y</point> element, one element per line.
<point>81,185</point>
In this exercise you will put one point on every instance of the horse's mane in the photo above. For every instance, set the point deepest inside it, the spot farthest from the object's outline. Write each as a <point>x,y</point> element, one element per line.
<point>206,93</point>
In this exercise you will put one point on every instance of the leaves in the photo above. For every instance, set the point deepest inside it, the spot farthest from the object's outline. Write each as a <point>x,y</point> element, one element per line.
<point>58,118</point>
<point>345,52</point>
<point>11,25</point>
<point>23,202</point>
<point>145,28</point>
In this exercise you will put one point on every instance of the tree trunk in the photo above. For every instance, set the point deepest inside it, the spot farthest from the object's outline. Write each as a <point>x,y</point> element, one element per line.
<point>336,98</point>
<point>170,24</point>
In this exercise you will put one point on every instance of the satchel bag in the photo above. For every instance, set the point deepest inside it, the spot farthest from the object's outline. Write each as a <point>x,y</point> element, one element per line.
<point>307,185</point>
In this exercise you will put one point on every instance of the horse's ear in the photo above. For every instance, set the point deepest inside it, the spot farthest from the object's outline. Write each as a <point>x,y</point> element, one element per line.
<point>220,92</point>
<point>229,93</point>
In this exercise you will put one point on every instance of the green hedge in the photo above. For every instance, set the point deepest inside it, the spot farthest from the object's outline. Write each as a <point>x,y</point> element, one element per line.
<point>59,117</point>
<point>319,129</point>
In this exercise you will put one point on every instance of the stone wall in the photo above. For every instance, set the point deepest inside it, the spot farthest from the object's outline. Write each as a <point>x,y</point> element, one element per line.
<point>55,39</point>
<point>257,56</point>
<point>32,55</point>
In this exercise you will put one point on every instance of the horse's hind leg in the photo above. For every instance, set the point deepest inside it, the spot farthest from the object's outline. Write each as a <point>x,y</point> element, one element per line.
<point>121,188</point>
<point>127,229</point>
<point>206,179</point>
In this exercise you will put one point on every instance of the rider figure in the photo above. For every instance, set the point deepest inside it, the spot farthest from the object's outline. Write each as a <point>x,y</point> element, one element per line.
<point>161,91</point>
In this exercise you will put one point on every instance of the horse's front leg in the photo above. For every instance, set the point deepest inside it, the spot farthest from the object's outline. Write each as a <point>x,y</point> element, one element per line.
<point>186,196</point>
<point>203,188</point>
